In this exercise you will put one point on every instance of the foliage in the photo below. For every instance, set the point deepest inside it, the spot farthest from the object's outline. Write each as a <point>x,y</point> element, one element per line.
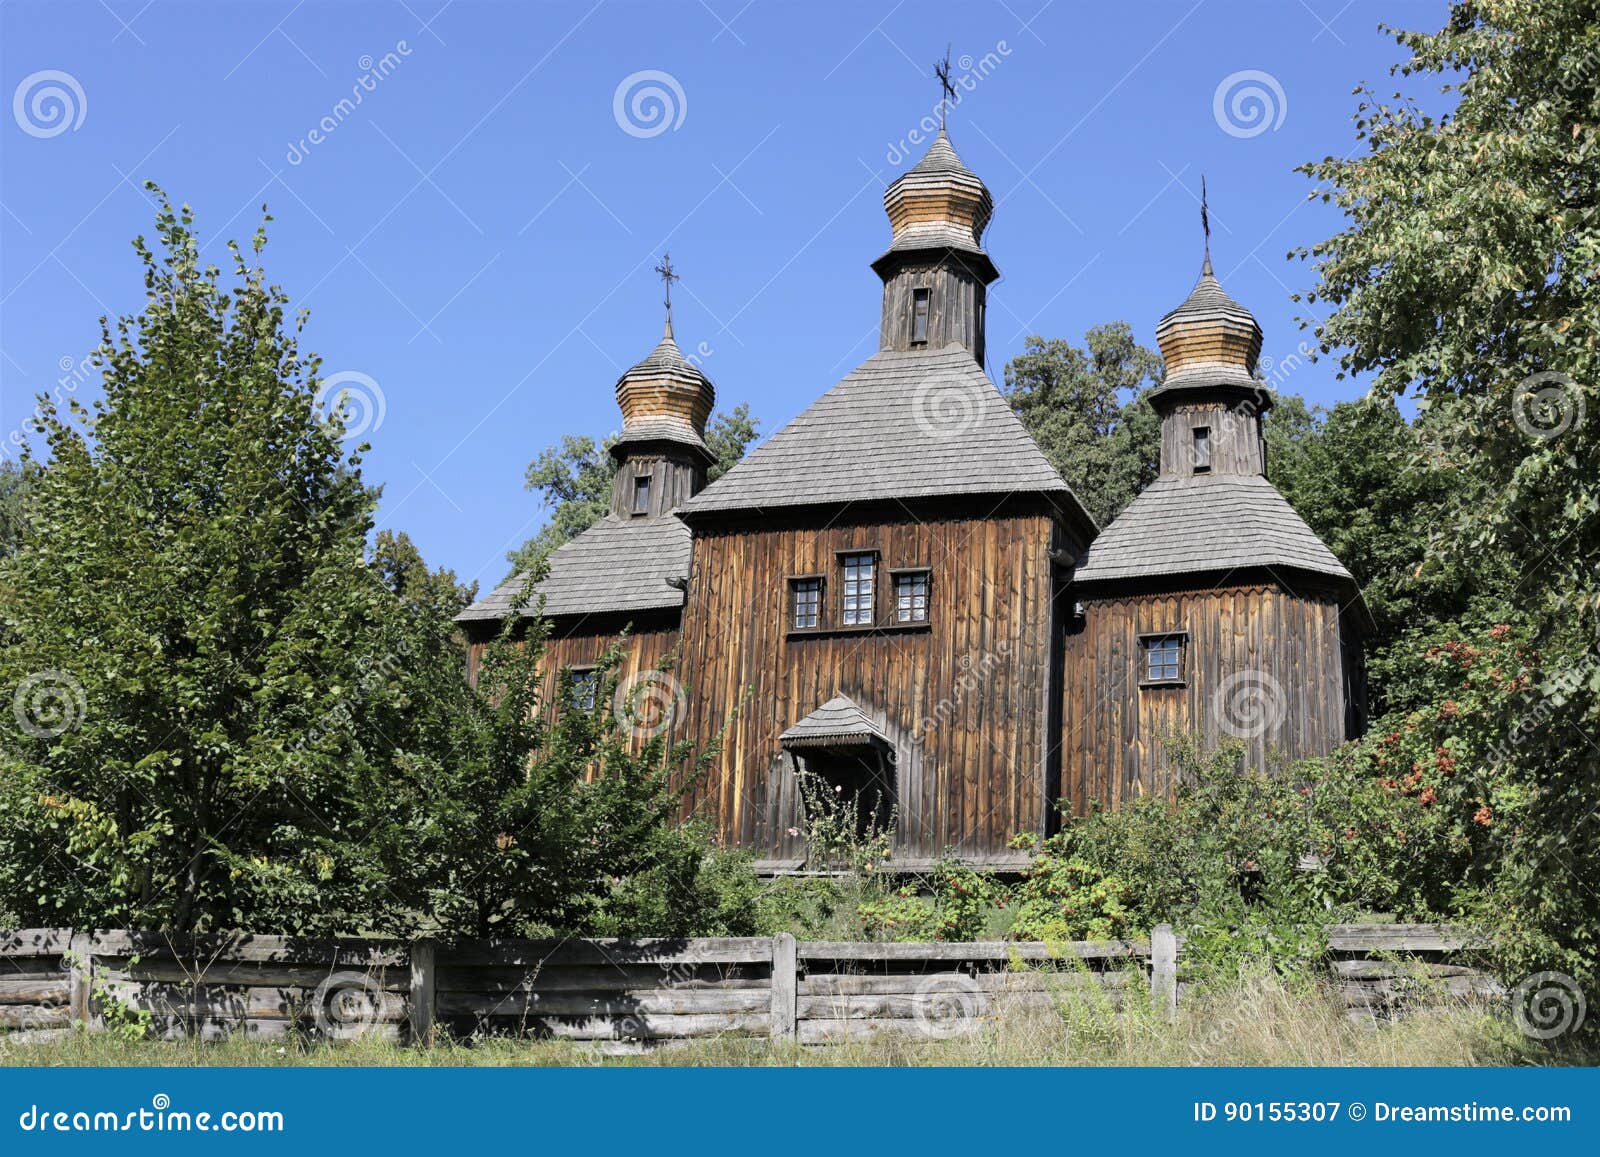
<point>1465,275</point>
<point>1084,407</point>
<point>574,477</point>
<point>1356,475</point>
<point>188,595</point>
<point>1066,899</point>
<point>15,481</point>
<point>952,903</point>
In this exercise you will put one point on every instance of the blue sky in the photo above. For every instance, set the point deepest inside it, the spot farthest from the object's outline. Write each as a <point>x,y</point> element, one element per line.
<point>475,237</point>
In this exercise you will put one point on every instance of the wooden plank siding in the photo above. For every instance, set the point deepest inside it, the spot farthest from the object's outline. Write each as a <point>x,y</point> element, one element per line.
<point>581,642</point>
<point>964,700</point>
<point>1113,730</point>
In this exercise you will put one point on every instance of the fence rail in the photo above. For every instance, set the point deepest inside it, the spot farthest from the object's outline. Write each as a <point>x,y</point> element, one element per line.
<point>633,992</point>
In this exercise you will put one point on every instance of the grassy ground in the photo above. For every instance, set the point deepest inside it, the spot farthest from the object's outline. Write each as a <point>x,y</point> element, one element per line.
<point>1260,1021</point>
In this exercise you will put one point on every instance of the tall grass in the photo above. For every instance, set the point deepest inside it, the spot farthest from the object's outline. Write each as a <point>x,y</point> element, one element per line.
<point>1256,1020</point>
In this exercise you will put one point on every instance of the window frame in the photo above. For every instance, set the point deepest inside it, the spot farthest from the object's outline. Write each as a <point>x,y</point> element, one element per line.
<point>843,558</point>
<point>911,572</point>
<point>921,309</point>
<point>791,588</point>
<point>1198,436</point>
<point>581,675</point>
<point>642,484</point>
<point>1145,644</point>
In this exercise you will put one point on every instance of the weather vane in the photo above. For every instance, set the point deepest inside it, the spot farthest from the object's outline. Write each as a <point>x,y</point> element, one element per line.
<point>1205,219</point>
<point>942,71</point>
<point>668,276</point>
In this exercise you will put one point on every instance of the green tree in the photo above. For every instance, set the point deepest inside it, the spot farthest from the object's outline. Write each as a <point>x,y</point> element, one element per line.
<point>201,656</point>
<point>15,480</point>
<point>1354,474</point>
<point>1085,408</point>
<point>573,479</point>
<point>1465,275</point>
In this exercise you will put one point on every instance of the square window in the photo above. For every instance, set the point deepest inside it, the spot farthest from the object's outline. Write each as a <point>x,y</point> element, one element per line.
<point>858,578</point>
<point>1202,449</point>
<point>911,597</point>
<point>582,685</point>
<point>805,603</point>
<point>1163,658</point>
<point>919,315</point>
<point>641,495</point>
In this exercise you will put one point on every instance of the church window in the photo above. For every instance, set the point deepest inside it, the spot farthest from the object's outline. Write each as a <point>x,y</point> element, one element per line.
<point>1202,449</point>
<point>1162,658</point>
<point>582,683</point>
<point>911,596</point>
<point>805,601</point>
<point>641,495</point>
<point>858,578</point>
<point>919,315</point>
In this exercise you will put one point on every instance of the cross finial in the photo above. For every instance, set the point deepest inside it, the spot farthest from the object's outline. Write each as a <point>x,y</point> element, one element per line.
<point>942,71</point>
<point>1205,222</point>
<point>668,276</point>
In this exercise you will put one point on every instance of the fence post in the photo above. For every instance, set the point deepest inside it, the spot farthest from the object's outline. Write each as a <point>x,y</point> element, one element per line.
<point>1164,971</point>
<point>80,986</point>
<point>785,987</point>
<point>422,991</point>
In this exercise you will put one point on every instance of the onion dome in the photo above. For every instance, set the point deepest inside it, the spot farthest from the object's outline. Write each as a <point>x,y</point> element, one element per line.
<point>938,203</point>
<point>665,398</point>
<point>1209,341</point>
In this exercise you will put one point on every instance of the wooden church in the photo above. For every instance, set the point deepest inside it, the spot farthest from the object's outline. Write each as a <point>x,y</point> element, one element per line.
<point>897,594</point>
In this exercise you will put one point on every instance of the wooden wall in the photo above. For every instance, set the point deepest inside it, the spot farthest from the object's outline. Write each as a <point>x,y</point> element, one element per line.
<point>956,301</point>
<point>580,642</point>
<point>965,699</point>
<point>674,479</point>
<point>1259,648</point>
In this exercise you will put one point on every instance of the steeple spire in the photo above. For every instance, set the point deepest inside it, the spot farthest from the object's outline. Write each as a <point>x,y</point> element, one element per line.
<point>668,276</point>
<point>941,70</point>
<point>1205,226</point>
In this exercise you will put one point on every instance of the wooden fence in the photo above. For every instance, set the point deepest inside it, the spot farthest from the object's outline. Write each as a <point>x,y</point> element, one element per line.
<point>629,993</point>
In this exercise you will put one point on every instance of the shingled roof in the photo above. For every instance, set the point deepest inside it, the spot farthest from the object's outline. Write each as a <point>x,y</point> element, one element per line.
<point>903,424</point>
<point>1210,522</point>
<point>618,564</point>
<point>837,722</point>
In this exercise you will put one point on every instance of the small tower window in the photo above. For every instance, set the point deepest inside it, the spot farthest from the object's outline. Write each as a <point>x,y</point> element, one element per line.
<point>641,495</point>
<point>919,315</point>
<point>1202,449</point>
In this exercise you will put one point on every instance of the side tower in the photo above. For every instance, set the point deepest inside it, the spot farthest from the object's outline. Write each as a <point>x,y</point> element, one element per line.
<point>1207,607</point>
<point>630,568</point>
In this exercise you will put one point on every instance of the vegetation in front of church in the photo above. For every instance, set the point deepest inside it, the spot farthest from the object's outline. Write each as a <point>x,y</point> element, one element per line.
<point>267,727</point>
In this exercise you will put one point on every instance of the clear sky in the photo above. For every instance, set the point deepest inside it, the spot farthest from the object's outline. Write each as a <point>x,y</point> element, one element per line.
<point>475,236</point>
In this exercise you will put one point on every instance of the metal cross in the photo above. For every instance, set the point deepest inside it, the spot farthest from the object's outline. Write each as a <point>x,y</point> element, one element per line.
<point>1205,216</point>
<point>942,70</point>
<point>668,276</point>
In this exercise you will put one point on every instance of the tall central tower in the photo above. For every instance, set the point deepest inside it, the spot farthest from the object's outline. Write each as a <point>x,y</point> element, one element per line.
<point>935,272</point>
